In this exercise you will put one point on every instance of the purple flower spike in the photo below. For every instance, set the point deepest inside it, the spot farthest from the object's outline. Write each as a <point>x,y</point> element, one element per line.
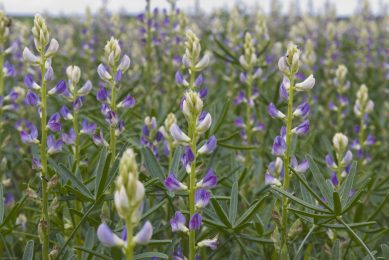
<point>274,112</point>
<point>107,237</point>
<point>65,113</point>
<point>54,124</point>
<point>31,136</point>
<point>32,99</point>
<point>77,104</point>
<point>195,222</point>
<point>209,146</point>
<point>301,129</point>
<point>279,146</point>
<point>128,102</point>
<point>173,184</point>
<point>209,181</point>
<point>144,235</point>
<point>53,146</point>
<point>69,138</point>
<point>88,128</point>
<point>58,89</point>
<point>102,95</point>
<point>177,223</point>
<point>302,110</point>
<point>202,197</point>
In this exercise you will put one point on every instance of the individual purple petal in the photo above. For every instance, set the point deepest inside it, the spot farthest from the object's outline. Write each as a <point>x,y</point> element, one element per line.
<point>32,99</point>
<point>240,98</point>
<point>279,146</point>
<point>209,146</point>
<point>334,179</point>
<point>187,158</point>
<point>85,89</point>
<point>301,129</point>
<point>274,112</point>
<point>177,223</point>
<point>202,197</point>
<point>78,103</point>
<point>112,118</point>
<point>102,95</point>
<point>195,222</point>
<point>211,243</point>
<point>302,110</point>
<point>238,122</point>
<point>103,73</point>
<point>347,158</point>
<point>127,102</point>
<point>65,113</point>
<point>173,184</point>
<point>30,136</point>
<point>69,138</point>
<point>58,89</point>
<point>118,76</point>
<point>178,135</point>
<point>99,140</point>
<point>88,128</point>
<point>120,128</point>
<point>271,180</point>
<point>53,146</point>
<point>203,93</point>
<point>144,235</point>
<point>199,80</point>
<point>107,237</point>
<point>54,123</point>
<point>209,181</point>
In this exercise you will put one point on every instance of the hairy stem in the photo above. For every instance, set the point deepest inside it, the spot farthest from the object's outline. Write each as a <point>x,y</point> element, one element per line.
<point>44,221</point>
<point>287,157</point>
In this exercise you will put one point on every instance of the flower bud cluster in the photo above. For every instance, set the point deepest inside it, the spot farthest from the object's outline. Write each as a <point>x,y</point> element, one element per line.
<point>128,198</point>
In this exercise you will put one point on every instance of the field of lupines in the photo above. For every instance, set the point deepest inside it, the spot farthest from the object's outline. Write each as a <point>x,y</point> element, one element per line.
<point>230,135</point>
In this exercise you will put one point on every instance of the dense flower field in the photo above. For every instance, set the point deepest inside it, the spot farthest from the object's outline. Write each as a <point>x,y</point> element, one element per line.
<point>227,135</point>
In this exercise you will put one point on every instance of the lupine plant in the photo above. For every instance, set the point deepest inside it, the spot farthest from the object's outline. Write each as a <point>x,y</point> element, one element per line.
<point>88,173</point>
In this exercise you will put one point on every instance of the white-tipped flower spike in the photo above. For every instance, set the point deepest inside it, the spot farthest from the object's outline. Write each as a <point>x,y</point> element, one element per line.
<point>178,135</point>
<point>124,63</point>
<point>40,32</point>
<point>192,105</point>
<point>204,124</point>
<point>340,142</point>
<point>249,58</point>
<point>363,105</point>
<point>103,73</point>
<point>211,243</point>
<point>107,237</point>
<point>30,57</point>
<point>112,51</point>
<point>144,235</point>
<point>52,49</point>
<point>192,51</point>
<point>130,191</point>
<point>306,85</point>
<point>74,74</point>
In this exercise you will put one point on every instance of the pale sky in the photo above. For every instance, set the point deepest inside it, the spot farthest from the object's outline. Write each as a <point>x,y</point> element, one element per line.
<point>344,7</point>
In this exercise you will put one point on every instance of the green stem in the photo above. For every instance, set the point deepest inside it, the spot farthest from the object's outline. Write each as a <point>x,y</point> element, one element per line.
<point>148,46</point>
<point>44,221</point>
<point>1,74</point>
<point>248,115</point>
<point>130,244</point>
<point>192,176</point>
<point>287,156</point>
<point>77,142</point>
<point>112,141</point>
